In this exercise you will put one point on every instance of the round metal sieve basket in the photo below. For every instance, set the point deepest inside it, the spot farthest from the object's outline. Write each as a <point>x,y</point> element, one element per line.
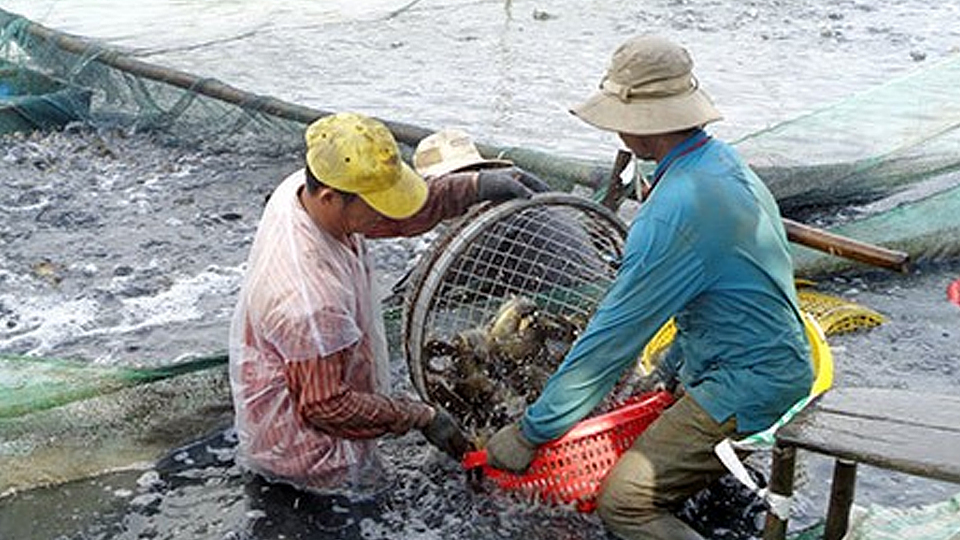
<point>496,302</point>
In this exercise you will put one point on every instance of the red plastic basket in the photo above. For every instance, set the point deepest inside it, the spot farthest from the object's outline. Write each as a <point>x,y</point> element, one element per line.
<point>571,468</point>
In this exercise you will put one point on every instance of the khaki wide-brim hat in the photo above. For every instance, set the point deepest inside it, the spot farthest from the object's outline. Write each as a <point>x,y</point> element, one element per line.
<point>648,89</point>
<point>450,150</point>
<point>357,154</point>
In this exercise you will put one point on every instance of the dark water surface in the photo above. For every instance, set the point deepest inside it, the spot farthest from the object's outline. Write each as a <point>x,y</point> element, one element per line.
<point>509,70</point>
<point>142,246</point>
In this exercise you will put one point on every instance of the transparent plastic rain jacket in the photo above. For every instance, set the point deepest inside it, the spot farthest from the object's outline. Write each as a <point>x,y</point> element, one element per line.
<point>307,298</point>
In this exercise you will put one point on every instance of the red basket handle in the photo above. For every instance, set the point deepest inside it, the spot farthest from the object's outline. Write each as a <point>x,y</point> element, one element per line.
<point>472,460</point>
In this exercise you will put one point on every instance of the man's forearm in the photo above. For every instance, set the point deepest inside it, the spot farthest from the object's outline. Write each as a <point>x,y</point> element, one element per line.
<point>449,196</point>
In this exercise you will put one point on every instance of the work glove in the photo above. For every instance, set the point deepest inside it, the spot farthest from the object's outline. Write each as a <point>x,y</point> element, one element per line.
<point>531,181</point>
<point>444,433</point>
<point>505,183</point>
<point>509,450</point>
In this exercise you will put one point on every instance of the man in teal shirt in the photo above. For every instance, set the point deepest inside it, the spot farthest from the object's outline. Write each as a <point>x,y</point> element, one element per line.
<point>708,248</point>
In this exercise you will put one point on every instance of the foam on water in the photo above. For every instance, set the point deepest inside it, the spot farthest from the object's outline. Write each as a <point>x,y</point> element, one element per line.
<point>182,302</point>
<point>39,324</point>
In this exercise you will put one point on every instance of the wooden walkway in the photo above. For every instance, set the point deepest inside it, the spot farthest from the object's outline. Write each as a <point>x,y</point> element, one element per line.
<point>910,432</point>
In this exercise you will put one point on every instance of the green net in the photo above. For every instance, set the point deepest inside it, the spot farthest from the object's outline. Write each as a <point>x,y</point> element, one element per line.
<point>126,428</point>
<point>927,228</point>
<point>860,149</point>
<point>30,100</point>
<point>29,384</point>
<point>937,521</point>
<point>867,144</point>
<point>194,110</point>
<point>128,93</point>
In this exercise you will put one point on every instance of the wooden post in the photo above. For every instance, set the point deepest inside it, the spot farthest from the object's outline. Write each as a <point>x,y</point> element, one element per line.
<point>841,499</point>
<point>614,194</point>
<point>781,483</point>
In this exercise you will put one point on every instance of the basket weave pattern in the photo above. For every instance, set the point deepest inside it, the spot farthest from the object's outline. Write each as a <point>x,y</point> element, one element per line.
<point>571,469</point>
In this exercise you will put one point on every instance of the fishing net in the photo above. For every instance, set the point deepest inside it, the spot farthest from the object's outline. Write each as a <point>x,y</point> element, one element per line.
<point>934,521</point>
<point>867,144</point>
<point>925,226</point>
<point>125,92</point>
<point>499,299</point>
<point>30,100</point>
<point>858,150</point>
<point>29,384</point>
<point>126,427</point>
<point>112,88</point>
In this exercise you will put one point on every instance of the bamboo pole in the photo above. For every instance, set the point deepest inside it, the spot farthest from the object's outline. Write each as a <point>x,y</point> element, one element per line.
<point>848,248</point>
<point>564,172</point>
<point>202,85</point>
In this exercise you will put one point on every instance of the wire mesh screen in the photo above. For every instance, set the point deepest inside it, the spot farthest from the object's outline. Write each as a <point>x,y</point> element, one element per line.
<point>499,299</point>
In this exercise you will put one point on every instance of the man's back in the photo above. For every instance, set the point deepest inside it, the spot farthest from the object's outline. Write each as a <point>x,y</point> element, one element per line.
<point>740,330</point>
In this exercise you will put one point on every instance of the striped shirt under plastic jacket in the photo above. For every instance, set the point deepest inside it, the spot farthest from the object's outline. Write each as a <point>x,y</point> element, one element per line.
<point>708,247</point>
<point>308,353</point>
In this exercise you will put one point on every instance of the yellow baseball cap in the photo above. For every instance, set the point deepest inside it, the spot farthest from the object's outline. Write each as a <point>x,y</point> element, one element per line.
<point>357,154</point>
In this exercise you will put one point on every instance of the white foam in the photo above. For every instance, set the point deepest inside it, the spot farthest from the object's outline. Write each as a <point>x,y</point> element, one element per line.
<point>43,322</point>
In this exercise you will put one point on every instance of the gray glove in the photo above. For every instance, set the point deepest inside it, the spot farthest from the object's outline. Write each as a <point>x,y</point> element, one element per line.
<point>444,433</point>
<point>502,184</point>
<point>531,181</point>
<point>509,450</point>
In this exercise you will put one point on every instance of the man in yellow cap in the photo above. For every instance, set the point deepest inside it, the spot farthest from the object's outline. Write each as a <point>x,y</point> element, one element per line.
<point>308,354</point>
<point>708,248</point>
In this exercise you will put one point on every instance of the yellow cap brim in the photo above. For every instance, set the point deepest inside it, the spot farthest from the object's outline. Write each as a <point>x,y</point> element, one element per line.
<point>401,200</point>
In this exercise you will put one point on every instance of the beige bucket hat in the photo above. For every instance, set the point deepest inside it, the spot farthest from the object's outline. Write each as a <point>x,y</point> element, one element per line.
<point>450,150</point>
<point>649,88</point>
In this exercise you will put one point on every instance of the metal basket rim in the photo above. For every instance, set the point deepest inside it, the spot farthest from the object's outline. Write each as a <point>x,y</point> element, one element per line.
<point>430,269</point>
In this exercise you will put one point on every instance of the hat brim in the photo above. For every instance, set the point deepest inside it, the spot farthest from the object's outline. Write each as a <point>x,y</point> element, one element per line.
<point>462,164</point>
<point>648,116</point>
<point>402,199</point>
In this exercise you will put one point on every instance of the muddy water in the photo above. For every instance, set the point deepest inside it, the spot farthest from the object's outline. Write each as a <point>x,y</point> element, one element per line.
<point>508,70</point>
<point>141,246</point>
<point>119,249</point>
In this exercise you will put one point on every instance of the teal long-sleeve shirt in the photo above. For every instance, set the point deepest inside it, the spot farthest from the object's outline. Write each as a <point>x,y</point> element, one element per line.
<point>709,248</point>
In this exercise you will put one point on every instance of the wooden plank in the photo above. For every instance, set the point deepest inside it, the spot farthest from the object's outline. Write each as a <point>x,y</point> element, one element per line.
<point>938,410</point>
<point>893,429</point>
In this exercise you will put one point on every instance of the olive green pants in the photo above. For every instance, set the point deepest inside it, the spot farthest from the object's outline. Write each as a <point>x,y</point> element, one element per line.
<point>669,462</point>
